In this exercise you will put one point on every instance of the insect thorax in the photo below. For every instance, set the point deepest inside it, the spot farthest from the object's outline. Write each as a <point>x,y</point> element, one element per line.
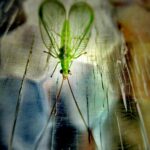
<point>65,59</point>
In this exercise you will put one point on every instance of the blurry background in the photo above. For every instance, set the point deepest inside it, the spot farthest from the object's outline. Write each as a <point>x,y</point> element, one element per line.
<point>110,83</point>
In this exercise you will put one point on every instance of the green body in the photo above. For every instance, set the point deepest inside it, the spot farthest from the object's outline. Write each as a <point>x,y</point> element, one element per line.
<point>65,54</point>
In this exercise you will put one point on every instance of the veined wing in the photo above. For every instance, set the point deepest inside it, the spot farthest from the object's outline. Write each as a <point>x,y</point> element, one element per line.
<point>81,17</point>
<point>52,15</point>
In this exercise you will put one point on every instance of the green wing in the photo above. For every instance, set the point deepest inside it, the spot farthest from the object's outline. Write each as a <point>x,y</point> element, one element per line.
<point>81,18</point>
<point>52,15</point>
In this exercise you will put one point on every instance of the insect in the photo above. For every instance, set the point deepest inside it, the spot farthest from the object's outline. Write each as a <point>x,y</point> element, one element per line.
<point>65,35</point>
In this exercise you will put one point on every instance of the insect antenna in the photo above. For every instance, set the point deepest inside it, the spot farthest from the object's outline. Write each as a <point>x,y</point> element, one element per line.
<point>76,103</point>
<point>53,111</point>
<point>43,132</point>
<point>88,129</point>
<point>58,95</point>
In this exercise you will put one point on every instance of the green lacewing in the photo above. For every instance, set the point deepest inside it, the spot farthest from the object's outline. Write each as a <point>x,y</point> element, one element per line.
<point>65,34</point>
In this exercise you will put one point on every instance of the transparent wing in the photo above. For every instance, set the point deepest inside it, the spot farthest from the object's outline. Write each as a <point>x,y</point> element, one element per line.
<point>52,15</point>
<point>80,17</point>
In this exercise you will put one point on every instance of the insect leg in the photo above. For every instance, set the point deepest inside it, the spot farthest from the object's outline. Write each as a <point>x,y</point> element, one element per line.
<point>54,69</point>
<point>50,54</point>
<point>82,53</point>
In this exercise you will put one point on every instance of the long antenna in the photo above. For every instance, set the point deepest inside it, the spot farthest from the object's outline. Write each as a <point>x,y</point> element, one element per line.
<point>51,113</point>
<point>57,97</point>
<point>42,133</point>
<point>89,131</point>
<point>77,104</point>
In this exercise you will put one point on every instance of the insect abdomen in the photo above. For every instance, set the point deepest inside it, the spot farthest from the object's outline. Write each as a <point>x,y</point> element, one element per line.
<point>65,37</point>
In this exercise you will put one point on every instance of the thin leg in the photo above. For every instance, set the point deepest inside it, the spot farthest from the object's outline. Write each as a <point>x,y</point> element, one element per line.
<point>50,54</point>
<point>54,69</point>
<point>71,64</point>
<point>80,55</point>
